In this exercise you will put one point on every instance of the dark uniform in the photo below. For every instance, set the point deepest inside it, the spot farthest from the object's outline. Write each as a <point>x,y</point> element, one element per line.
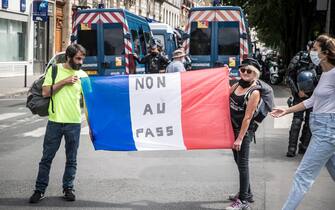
<point>155,62</point>
<point>300,62</point>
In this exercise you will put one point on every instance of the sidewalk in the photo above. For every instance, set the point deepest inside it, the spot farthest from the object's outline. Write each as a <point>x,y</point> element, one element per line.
<point>14,86</point>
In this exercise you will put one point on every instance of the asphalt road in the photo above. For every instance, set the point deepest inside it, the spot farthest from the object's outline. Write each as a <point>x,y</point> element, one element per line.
<point>154,180</point>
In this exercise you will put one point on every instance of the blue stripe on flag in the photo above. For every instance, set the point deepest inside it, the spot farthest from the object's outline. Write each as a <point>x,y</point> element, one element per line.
<point>108,107</point>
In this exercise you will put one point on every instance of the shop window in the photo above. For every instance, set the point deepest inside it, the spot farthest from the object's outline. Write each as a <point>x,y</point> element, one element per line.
<point>13,36</point>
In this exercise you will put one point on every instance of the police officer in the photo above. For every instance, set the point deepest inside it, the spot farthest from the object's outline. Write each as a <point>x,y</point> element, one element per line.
<point>156,61</point>
<point>301,78</point>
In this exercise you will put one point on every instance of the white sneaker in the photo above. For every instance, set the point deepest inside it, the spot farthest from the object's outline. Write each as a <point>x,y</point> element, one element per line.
<point>238,205</point>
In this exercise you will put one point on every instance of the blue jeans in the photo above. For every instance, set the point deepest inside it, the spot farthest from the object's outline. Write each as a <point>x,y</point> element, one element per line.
<point>320,152</point>
<point>52,140</point>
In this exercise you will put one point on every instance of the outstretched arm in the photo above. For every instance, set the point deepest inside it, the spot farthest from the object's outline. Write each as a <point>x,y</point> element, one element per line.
<point>278,112</point>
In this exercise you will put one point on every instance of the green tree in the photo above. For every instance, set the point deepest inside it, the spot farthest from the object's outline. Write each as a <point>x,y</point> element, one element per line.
<point>283,24</point>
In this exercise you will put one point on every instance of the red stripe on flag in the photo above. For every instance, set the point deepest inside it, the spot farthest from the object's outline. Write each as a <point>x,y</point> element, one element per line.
<point>205,110</point>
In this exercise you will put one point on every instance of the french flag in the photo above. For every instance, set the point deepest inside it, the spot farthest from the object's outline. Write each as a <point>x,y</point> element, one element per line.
<point>173,111</point>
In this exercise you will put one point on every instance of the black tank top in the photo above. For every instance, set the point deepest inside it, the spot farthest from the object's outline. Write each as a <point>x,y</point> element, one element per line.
<point>237,109</point>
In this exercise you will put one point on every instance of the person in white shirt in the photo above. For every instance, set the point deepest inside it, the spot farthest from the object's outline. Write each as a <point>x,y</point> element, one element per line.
<point>177,65</point>
<point>321,151</point>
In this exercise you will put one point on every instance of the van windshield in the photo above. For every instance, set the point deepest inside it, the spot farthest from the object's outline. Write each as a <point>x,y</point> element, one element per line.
<point>200,40</point>
<point>113,39</point>
<point>160,38</point>
<point>88,39</point>
<point>228,39</point>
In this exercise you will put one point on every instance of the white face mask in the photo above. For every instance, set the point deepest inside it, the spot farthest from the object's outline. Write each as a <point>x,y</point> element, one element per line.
<point>314,55</point>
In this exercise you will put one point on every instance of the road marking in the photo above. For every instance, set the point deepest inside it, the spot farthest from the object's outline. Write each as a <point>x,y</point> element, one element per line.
<point>10,115</point>
<point>35,133</point>
<point>13,99</point>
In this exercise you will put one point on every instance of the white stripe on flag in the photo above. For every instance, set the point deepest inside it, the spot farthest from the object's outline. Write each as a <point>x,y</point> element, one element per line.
<point>155,104</point>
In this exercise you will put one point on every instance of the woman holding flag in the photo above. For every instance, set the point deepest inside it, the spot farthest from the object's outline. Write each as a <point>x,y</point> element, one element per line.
<point>242,112</point>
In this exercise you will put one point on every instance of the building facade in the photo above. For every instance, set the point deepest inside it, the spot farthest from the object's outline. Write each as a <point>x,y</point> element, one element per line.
<point>16,38</point>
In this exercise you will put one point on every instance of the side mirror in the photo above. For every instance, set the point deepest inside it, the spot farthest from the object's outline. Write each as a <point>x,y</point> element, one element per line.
<point>73,38</point>
<point>185,36</point>
<point>244,36</point>
<point>127,36</point>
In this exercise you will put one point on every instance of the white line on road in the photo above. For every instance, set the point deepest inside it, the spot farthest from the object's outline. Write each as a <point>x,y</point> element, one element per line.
<point>13,99</point>
<point>35,133</point>
<point>10,115</point>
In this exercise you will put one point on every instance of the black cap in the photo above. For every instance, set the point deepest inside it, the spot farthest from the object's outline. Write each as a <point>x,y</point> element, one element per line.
<point>252,62</point>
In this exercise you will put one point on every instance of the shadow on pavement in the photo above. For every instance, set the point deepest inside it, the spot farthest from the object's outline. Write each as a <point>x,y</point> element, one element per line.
<point>138,205</point>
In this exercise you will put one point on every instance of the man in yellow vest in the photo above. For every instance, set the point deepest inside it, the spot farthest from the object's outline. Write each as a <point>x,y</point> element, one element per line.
<point>64,120</point>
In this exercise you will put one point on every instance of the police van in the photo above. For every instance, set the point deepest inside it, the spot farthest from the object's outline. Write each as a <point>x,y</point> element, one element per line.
<point>111,37</point>
<point>218,36</point>
<point>166,35</point>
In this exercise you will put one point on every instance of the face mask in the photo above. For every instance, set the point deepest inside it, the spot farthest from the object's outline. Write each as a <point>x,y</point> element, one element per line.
<point>244,84</point>
<point>74,66</point>
<point>314,55</point>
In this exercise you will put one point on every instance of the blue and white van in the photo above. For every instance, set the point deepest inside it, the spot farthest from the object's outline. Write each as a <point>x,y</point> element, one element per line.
<point>218,36</point>
<point>166,35</point>
<point>110,37</point>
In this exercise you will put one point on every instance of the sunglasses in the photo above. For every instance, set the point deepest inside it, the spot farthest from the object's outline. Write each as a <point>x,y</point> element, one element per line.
<point>243,70</point>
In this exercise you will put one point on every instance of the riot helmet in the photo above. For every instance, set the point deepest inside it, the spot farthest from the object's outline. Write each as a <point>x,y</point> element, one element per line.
<point>158,43</point>
<point>306,80</point>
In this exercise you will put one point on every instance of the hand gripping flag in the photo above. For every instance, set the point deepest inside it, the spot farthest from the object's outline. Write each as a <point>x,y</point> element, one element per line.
<point>173,111</point>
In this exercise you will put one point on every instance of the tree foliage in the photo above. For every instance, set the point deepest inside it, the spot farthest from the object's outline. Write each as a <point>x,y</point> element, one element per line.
<point>283,24</point>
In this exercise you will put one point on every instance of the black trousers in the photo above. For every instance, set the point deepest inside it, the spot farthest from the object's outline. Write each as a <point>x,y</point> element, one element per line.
<point>297,122</point>
<point>242,161</point>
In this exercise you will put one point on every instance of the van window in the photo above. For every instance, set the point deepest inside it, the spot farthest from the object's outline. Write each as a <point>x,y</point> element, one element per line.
<point>88,39</point>
<point>113,39</point>
<point>200,40</point>
<point>136,42</point>
<point>160,38</point>
<point>147,38</point>
<point>143,42</point>
<point>228,38</point>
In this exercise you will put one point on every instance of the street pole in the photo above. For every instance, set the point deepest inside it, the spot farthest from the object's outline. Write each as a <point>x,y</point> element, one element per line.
<point>25,75</point>
<point>327,30</point>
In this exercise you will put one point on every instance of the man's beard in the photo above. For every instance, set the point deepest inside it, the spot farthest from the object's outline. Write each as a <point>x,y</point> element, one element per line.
<point>74,66</point>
